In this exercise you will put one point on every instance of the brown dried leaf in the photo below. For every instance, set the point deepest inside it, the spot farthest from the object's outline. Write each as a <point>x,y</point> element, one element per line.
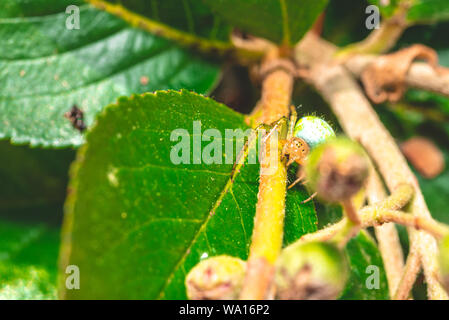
<point>384,79</point>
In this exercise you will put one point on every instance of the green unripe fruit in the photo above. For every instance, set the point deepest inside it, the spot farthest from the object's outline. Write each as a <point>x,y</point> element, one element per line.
<point>216,278</point>
<point>313,130</point>
<point>311,271</point>
<point>444,262</point>
<point>337,169</point>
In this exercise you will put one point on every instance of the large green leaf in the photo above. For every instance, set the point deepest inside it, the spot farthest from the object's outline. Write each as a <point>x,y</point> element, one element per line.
<point>28,261</point>
<point>420,10</point>
<point>45,68</point>
<point>277,20</point>
<point>136,223</point>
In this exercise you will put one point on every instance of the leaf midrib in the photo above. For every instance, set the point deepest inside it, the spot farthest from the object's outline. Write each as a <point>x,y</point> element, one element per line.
<point>285,25</point>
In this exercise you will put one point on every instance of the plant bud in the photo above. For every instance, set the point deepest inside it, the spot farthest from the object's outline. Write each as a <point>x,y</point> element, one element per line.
<point>311,271</point>
<point>313,130</point>
<point>216,278</point>
<point>337,169</point>
<point>444,262</point>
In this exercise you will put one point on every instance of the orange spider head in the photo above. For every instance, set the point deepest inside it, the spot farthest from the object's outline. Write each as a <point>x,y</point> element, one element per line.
<point>297,150</point>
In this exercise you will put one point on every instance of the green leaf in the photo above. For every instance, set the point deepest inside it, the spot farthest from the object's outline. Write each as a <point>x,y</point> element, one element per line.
<point>420,11</point>
<point>283,21</point>
<point>45,68</point>
<point>190,16</point>
<point>365,264</point>
<point>136,223</point>
<point>28,261</point>
<point>300,218</point>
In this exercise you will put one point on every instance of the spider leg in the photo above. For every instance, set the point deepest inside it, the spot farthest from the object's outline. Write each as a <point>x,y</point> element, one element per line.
<point>291,128</point>
<point>244,151</point>
<point>300,177</point>
<point>247,146</point>
<point>292,122</point>
<point>310,198</point>
<point>281,123</point>
<point>253,139</point>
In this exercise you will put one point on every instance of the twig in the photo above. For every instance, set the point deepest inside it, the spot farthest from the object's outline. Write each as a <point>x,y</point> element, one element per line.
<point>346,233</point>
<point>420,75</point>
<point>361,123</point>
<point>325,234</point>
<point>350,211</point>
<point>267,235</point>
<point>400,197</point>
<point>372,216</point>
<point>386,235</point>
<point>408,278</point>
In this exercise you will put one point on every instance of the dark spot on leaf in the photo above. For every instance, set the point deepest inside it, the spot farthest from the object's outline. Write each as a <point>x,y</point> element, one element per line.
<point>76,117</point>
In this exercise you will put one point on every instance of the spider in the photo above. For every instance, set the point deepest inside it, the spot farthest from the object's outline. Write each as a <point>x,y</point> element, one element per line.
<point>301,137</point>
<point>304,135</point>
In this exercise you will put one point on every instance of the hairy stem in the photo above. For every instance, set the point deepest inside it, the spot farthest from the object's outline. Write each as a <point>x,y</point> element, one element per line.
<point>372,216</point>
<point>400,197</point>
<point>268,229</point>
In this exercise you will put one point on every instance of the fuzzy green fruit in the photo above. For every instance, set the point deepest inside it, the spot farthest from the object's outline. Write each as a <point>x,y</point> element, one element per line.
<point>444,261</point>
<point>216,278</point>
<point>313,130</point>
<point>337,169</point>
<point>311,271</point>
